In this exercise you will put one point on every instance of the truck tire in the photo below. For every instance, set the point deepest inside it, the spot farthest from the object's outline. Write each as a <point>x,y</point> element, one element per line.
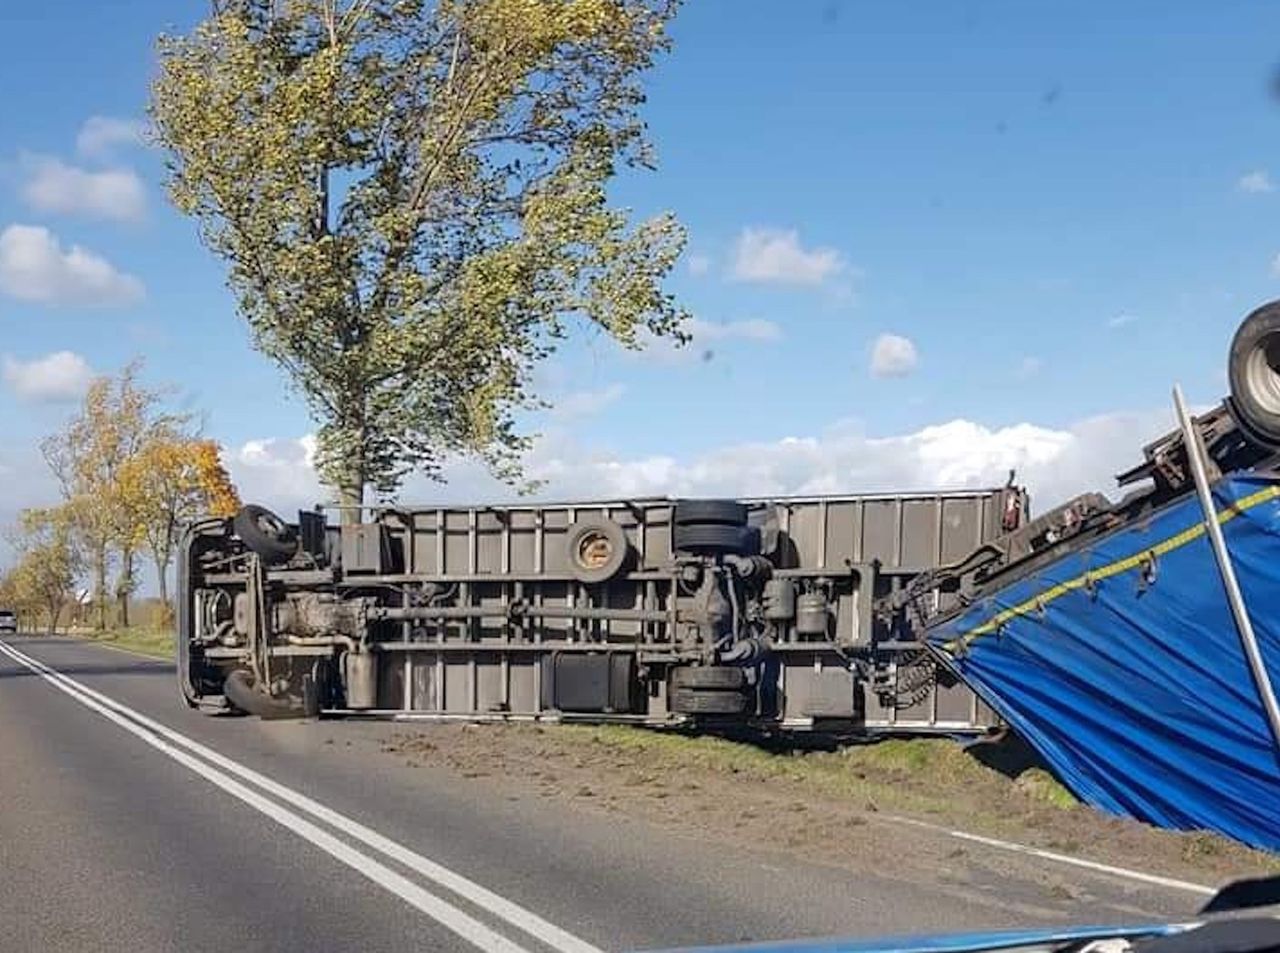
<point>597,550</point>
<point>240,691</point>
<point>712,538</point>
<point>266,534</point>
<point>721,512</point>
<point>1253,370</point>
<point>687,701</point>
<point>709,677</point>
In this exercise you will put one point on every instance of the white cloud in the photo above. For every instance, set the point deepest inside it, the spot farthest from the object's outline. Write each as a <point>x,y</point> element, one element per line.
<point>585,403</point>
<point>893,356</point>
<point>35,267</point>
<point>1054,464</point>
<point>100,135</point>
<point>1028,367</point>
<point>60,376</point>
<point>776,255</point>
<point>1255,182</point>
<point>55,186</point>
<point>1122,319</point>
<point>279,472</point>
<point>699,265</point>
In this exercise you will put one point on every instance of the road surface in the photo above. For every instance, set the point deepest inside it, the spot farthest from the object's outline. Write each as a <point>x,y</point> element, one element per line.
<point>129,822</point>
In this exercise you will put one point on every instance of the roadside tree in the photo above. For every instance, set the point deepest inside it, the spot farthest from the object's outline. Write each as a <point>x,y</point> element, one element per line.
<point>412,201</point>
<point>113,424</point>
<point>171,480</point>
<point>50,560</point>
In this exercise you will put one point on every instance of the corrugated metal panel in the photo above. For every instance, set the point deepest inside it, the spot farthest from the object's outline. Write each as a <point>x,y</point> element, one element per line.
<point>495,555</point>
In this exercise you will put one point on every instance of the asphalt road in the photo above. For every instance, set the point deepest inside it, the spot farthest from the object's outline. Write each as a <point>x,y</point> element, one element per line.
<point>129,822</point>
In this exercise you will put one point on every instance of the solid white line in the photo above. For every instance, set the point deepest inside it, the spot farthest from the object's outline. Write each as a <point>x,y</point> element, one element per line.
<point>1017,848</point>
<point>499,906</point>
<point>518,916</point>
<point>465,926</point>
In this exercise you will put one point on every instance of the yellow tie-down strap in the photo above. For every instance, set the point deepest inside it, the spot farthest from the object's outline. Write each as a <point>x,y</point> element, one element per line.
<point>1042,599</point>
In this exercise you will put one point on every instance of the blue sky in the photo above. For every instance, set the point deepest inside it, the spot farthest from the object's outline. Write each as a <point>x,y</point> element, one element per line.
<point>1054,210</point>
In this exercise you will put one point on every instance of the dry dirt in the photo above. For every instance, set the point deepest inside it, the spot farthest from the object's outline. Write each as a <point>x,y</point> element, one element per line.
<point>842,807</point>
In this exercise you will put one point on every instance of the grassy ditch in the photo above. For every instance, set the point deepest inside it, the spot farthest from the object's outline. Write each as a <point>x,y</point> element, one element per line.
<point>812,800</point>
<point>155,643</point>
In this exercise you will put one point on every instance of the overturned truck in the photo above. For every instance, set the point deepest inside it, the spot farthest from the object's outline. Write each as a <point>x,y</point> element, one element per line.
<point>797,613</point>
<point>763,612</point>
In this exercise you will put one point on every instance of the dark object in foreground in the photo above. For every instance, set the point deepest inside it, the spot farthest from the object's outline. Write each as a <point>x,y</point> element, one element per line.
<point>1232,935</point>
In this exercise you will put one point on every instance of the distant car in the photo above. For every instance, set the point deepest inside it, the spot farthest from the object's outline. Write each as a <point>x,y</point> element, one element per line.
<point>8,620</point>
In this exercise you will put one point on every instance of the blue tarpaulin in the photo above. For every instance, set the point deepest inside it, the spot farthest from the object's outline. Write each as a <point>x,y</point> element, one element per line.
<point>1121,665</point>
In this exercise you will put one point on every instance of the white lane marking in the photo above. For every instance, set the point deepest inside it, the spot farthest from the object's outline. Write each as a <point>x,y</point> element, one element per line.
<point>512,912</point>
<point>499,906</point>
<point>467,927</point>
<point>1016,848</point>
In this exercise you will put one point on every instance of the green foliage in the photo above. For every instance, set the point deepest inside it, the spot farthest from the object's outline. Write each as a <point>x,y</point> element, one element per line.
<point>411,199</point>
<point>50,560</point>
<point>90,456</point>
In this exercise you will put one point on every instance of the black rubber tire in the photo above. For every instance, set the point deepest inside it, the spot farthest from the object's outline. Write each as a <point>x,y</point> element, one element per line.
<point>686,701</point>
<point>722,512</point>
<point>265,533</point>
<point>240,691</point>
<point>708,678</point>
<point>614,549</point>
<point>1253,369</point>
<point>712,538</point>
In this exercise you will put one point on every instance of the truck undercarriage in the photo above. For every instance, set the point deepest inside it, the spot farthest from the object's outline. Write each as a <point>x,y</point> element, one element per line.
<point>795,613</point>
<point>648,610</point>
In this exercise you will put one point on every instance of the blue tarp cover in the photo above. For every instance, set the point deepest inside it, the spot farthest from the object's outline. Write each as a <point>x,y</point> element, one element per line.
<point>1122,666</point>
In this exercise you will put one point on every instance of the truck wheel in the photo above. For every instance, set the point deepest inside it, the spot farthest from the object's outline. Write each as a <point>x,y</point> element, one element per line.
<point>722,677</point>
<point>687,701</point>
<point>1253,369</point>
<point>265,533</point>
<point>712,538</point>
<point>597,550</point>
<point>722,512</point>
<point>240,690</point>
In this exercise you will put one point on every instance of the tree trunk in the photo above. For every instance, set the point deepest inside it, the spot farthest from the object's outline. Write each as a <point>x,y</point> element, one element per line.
<point>162,578</point>
<point>351,497</point>
<point>55,610</point>
<point>100,586</point>
<point>125,586</point>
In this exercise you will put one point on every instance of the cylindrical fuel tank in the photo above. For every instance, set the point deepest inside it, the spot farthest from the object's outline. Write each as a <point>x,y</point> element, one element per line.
<point>360,679</point>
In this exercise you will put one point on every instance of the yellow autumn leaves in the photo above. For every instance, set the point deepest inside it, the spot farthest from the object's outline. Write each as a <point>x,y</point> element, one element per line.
<point>132,473</point>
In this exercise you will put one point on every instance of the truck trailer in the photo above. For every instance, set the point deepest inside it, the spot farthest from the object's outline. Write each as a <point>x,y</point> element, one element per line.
<point>757,611</point>
<point>802,613</point>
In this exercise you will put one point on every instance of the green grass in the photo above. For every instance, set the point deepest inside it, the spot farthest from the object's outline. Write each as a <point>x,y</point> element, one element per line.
<point>145,641</point>
<point>919,775</point>
<point>1039,785</point>
<point>928,778</point>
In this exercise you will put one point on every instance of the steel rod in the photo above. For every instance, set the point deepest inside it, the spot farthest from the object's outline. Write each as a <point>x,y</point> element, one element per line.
<point>508,611</point>
<point>1244,626</point>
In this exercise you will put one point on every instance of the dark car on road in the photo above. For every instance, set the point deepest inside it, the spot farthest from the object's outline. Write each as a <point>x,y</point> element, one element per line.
<point>8,620</point>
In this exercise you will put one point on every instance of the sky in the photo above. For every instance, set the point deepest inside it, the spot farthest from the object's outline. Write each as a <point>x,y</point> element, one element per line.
<point>928,243</point>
